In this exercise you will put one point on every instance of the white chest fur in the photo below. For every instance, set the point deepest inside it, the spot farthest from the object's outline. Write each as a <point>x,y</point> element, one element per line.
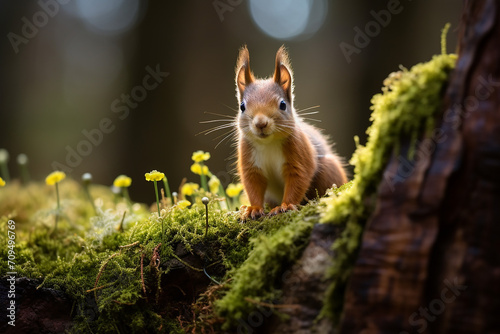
<point>270,159</point>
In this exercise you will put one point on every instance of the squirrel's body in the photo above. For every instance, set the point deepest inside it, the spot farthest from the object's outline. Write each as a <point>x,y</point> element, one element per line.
<point>270,159</point>
<point>282,160</point>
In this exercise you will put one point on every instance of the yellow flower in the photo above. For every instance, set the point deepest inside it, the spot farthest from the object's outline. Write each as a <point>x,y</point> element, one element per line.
<point>214,184</point>
<point>200,156</point>
<point>122,181</point>
<point>182,204</point>
<point>196,168</point>
<point>2,182</point>
<point>234,190</point>
<point>189,188</point>
<point>55,177</point>
<point>154,175</point>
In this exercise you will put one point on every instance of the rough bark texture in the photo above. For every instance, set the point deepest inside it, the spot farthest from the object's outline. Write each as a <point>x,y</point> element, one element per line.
<point>304,287</point>
<point>429,257</point>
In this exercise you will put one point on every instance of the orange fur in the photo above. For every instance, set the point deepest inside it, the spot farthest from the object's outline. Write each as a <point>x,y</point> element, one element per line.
<point>278,154</point>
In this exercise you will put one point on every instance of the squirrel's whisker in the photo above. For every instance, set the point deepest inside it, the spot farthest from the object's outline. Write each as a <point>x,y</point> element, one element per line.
<point>214,129</point>
<point>231,133</point>
<point>308,113</point>
<point>220,115</point>
<point>217,120</point>
<point>312,119</point>
<point>306,109</point>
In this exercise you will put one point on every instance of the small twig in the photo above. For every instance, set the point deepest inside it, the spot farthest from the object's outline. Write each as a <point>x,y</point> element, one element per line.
<point>187,264</point>
<point>130,245</point>
<point>179,319</point>
<point>103,267</point>
<point>101,287</point>
<point>155,258</point>
<point>213,264</point>
<point>282,306</point>
<point>178,287</point>
<point>101,271</point>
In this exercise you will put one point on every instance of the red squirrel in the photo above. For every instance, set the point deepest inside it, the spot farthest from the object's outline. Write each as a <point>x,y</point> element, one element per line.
<point>281,159</point>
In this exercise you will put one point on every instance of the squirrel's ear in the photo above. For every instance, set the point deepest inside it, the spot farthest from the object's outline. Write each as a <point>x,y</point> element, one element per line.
<point>244,75</point>
<point>283,74</point>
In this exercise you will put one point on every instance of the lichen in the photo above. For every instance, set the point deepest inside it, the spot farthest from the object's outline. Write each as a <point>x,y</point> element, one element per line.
<point>406,108</point>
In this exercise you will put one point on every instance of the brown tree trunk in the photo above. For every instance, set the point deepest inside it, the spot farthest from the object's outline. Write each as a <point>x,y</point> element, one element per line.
<point>429,260</point>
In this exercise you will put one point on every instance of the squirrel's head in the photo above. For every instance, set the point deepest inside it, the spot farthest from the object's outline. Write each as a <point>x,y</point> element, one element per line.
<point>266,105</point>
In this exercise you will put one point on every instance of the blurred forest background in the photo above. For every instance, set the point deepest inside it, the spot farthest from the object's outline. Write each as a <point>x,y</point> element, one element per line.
<point>76,75</point>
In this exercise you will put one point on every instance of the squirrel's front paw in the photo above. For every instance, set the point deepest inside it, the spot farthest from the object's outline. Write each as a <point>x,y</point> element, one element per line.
<point>284,207</point>
<point>253,212</point>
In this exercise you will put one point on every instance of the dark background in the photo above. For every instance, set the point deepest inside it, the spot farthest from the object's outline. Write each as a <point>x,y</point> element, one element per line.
<point>65,76</point>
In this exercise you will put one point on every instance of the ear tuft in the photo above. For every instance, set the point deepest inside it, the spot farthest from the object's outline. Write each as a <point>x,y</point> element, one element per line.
<point>244,75</point>
<point>283,74</point>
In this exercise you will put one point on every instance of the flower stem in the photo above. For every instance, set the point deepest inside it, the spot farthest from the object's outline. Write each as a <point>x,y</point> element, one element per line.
<point>203,177</point>
<point>89,196</point>
<point>162,223</point>
<point>58,207</point>
<point>25,175</point>
<point>206,220</point>
<point>157,199</point>
<point>127,196</point>
<point>167,189</point>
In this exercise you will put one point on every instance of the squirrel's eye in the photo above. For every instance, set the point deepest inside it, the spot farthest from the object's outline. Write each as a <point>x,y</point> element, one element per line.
<point>242,107</point>
<point>283,105</point>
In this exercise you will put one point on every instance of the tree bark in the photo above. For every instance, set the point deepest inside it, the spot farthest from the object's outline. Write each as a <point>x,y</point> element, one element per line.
<point>429,258</point>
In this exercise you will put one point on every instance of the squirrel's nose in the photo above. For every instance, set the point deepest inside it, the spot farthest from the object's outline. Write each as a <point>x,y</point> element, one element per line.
<point>260,123</point>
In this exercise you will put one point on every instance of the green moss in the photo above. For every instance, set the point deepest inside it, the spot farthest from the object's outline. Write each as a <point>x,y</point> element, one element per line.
<point>258,278</point>
<point>86,247</point>
<point>407,106</point>
<point>261,276</point>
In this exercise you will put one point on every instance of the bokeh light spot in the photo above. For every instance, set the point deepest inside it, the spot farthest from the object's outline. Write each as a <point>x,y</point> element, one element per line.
<point>289,19</point>
<point>110,16</point>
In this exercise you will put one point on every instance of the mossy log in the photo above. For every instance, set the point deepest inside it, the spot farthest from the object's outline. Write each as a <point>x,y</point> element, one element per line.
<point>429,256</point>
<point>109,272</point>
